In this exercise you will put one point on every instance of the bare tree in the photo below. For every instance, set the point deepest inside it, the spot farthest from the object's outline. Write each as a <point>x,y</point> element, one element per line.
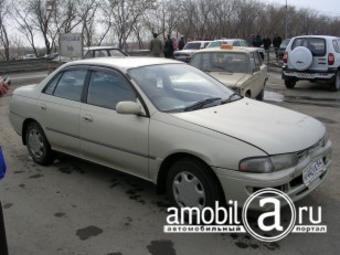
<point>4,40</point>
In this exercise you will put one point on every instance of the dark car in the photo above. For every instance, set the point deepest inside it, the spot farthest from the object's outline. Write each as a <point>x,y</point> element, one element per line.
<point>282,49</point>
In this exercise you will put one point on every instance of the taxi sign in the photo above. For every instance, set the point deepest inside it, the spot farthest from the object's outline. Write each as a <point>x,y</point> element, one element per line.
<point>226,47</point>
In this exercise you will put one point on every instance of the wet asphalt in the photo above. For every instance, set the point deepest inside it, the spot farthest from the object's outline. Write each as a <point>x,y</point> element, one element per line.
<point>75,207</point>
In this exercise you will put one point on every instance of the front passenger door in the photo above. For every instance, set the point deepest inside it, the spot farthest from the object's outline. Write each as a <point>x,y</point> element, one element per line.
<point>115,140</point>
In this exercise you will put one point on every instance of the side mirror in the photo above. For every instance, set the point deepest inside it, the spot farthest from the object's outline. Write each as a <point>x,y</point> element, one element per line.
<point>128,107</point>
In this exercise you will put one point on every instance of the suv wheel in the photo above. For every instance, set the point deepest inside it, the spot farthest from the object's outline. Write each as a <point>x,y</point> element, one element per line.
<point>37,145</point>
<point>336,84</point>
<point>290,84</point>
<point>190,183</point>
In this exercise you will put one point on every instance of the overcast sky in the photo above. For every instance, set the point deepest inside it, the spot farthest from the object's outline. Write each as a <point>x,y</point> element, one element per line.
<point>326,7</point>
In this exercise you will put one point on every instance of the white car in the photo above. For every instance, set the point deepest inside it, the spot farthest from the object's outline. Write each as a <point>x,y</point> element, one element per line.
<point>172,124</point>
<point>313,58</point>
<point>189,49</point>
<point>234,42</point>
<point>239,68</point>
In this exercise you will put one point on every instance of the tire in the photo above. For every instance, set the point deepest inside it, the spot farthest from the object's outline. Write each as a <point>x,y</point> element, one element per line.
<point>37,145</point>
<point>260,96</point>
<point>290,84</point>
<point>187,175</point>
<point>336,84</point>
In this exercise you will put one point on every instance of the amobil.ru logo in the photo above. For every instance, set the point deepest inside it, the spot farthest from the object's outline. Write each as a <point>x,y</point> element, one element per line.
<point>277,217</point>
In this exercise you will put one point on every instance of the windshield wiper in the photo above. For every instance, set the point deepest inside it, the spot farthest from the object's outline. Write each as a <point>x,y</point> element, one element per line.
<point>201,104</point>
<point>229,99</point>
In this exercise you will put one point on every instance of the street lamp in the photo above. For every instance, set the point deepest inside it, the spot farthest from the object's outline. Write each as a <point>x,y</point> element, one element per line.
<point>286,21</point>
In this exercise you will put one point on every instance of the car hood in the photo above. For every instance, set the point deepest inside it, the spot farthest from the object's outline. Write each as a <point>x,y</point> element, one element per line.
<point>189,52</point>
<point>231,79</point>
<point>271,128</point>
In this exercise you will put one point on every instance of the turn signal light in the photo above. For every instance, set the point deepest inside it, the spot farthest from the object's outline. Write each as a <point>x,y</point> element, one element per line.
<point>285,58</point>
<point>331,59</point>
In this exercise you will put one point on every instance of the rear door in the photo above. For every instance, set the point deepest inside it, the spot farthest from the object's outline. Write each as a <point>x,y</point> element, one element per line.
<point>60,109</point>
<point>318,48</point>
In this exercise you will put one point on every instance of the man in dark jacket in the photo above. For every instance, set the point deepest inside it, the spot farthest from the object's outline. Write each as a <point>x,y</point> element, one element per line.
<point>155,46</point>
<point>169,48</point>
<point>181,43</point>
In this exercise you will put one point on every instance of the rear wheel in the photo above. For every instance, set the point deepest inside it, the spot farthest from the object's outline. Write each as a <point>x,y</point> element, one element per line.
<point>190,183</point>
<point>336,84</point>
<point>37,145</point>
<point>290,84</point>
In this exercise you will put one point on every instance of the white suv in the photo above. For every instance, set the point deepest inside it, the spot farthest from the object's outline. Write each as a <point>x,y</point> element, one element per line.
<point>313,58</point>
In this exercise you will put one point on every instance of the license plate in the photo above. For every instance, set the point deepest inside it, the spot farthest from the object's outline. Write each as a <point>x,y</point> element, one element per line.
<point>313,172</point>
<point>304,75</point>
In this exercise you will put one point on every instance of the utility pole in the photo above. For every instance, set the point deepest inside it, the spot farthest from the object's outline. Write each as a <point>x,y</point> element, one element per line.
<point>286,21</point>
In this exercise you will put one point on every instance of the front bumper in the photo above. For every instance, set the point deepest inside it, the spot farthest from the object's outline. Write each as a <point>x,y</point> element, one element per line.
<point>238,186</point>
<point>308,74</point>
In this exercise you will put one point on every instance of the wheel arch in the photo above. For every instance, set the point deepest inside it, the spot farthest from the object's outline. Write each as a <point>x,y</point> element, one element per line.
<point>171,159</point>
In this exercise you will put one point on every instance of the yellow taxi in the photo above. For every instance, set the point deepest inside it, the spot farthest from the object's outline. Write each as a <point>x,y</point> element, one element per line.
<point>240,68</point>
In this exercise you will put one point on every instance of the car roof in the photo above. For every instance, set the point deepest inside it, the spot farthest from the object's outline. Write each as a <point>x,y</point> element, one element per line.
<point>317,36</point>
<point>198,41</point>
<point>228,40</point>
<point>124,63</point>
<point>234,49</point>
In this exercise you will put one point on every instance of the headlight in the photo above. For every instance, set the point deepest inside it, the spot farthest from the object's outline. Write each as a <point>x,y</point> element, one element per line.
<point>268,164</point>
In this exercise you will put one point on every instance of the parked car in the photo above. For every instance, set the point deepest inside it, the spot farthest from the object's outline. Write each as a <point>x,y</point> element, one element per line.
<point>234,42</point>
<point>313,58</point>
<point>239,68</point>
<point>282,49</point>
<point>29,56</point>
<point>189,49</point>
<point>103,51</point>
<point>170,123</point>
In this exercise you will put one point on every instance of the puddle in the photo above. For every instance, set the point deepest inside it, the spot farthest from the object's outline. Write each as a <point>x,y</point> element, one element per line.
<point>273,96</point>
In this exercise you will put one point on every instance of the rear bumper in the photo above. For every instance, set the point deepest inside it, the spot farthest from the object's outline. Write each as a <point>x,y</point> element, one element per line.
<point>308,74</point>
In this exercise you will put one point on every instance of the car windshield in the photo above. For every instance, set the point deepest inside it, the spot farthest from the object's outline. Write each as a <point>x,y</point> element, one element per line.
<point>214,44</point>
<point>180,87</point>
<point>230,62</point>
<point>192,46</point>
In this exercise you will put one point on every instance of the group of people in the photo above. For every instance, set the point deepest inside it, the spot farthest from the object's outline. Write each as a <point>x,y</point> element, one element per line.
<point>170,45</point>
<point>257,41</point>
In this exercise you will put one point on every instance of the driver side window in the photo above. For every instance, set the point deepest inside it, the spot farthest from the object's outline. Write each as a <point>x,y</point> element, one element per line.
<point>107,89</point>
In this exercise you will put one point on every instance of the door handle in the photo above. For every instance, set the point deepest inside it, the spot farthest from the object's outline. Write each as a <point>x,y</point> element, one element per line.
<point>88,118</point>
<point>43,107</point>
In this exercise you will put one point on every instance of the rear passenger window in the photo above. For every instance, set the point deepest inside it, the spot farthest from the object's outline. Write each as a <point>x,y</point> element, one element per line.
<point>336,45</point>
<point>237,43</point>
<point>106,89</point>
<point>316,45</point>
<point>70,85</point>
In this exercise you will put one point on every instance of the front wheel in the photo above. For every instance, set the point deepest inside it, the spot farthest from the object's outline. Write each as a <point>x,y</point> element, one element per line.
<point>190,183</point>
<point>336,84</point>
<point>37,145</point>
<point>290,84</point>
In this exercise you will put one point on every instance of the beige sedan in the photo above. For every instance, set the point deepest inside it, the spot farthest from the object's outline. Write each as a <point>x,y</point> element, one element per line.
<point>172,124</point>
<point>239,68</point>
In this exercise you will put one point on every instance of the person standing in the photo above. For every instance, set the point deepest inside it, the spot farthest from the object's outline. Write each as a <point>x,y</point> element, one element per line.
<point>276,43</point>
<point>4,83</point>
<point>155,46</point>
<point>168,48</point>
<point>266,45</point>
<point>181,43</point>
